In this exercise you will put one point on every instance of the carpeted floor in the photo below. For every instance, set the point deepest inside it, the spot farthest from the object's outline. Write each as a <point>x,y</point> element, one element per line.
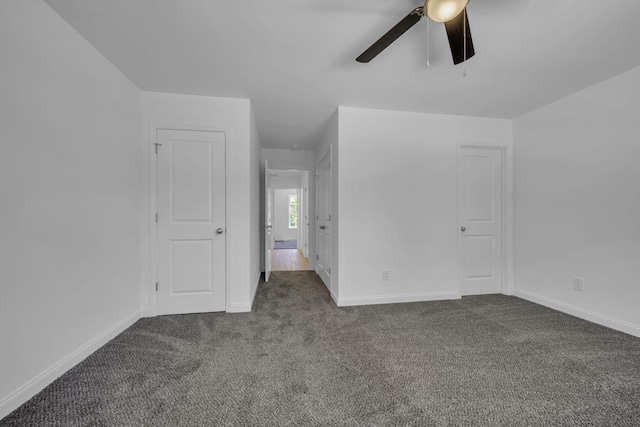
<point>298,360</point>
<point>285,244</point>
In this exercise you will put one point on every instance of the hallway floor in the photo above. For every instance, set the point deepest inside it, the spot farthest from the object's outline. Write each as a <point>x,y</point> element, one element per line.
<point>288,260</point>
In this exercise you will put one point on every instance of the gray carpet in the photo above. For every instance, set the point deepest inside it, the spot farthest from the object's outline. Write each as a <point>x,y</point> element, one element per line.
<point>299,360</point>
<point>285,244</point>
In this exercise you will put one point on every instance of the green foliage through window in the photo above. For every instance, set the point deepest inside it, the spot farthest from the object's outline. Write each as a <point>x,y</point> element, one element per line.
<point>293,211</point>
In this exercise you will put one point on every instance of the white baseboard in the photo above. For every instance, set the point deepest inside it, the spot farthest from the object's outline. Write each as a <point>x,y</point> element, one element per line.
<point>334,297</point>
<point>245,307</point>
<point>397,298</point>
<point>254,291</point>
<point>239,308</point>
<point>591,316</point>
<point>11,402</point>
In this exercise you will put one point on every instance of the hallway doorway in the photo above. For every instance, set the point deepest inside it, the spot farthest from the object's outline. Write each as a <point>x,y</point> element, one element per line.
<point>288,193</point>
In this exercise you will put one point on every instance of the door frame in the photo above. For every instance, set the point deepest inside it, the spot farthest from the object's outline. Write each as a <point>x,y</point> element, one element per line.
<point>303,231</point>
<point>311,216</point>
<point>152,272</point>
<point>507,209</point>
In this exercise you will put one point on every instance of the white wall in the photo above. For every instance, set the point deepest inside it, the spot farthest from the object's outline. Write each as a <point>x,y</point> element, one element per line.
<point>234,115</point>
<point>281,230</point>
<point>256,212</point>
<point>292,160</point>
<point>398,202</point>
<point>69,200</point>
<point>283,182</point>
<point>577,181</point>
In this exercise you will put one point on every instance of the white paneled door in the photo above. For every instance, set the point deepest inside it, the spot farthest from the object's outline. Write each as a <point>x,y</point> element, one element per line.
<point>191,221</point>
<point>480,213</point>
<point>323,221</point>
<point>268,221</point>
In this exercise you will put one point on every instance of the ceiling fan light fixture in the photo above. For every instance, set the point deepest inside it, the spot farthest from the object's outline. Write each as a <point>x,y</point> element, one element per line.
<point>444,10</point>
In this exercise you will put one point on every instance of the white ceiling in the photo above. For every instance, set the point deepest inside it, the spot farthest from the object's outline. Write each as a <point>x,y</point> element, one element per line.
<point>295,58</point>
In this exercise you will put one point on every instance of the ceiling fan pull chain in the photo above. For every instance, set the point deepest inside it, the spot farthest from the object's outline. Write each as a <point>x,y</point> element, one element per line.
<point>464,36</point>
<point>428,46</point>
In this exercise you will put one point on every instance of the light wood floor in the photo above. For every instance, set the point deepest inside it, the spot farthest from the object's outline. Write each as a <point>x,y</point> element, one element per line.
<point>288,260</point>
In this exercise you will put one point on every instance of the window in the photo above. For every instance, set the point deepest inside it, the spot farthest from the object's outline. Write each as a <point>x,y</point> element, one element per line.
<point>293,211</point>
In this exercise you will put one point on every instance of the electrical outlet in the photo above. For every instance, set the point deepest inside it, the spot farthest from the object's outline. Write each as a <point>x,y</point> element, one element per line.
<point>578,284</point>
<point>385,275</point>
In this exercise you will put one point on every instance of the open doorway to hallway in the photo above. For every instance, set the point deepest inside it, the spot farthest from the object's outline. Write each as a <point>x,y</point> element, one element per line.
<point>290,219</point>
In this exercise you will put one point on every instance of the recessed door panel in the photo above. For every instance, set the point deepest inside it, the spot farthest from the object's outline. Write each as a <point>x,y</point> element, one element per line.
<point>479,257</point>
<point>192,266</point>
<point>480,188</point>
<point>191,172</point>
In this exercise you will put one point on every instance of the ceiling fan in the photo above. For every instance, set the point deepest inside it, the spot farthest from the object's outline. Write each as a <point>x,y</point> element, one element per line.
<point>454,15</point>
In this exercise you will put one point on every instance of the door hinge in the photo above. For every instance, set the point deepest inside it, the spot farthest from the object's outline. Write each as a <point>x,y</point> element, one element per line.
<point>156,286</point>
<point>157,144</point>
<point>329,217</point>
<point>156,216</point>
<point>317,257</point>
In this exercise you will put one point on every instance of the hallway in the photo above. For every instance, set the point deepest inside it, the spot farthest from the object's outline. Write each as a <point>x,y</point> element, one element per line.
<point>288,260</point>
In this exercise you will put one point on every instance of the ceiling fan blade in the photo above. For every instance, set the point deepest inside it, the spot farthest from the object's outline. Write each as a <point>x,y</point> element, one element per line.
<point>399,29</point>
<point>456,34</point>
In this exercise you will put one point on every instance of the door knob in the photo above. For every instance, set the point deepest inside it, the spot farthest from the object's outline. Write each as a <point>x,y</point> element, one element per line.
<point>463,229</point>
<point>219,231</point>
<point>322,227</point>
